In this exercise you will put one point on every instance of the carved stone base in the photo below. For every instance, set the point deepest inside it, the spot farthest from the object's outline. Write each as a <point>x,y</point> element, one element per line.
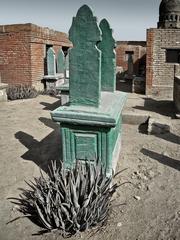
<point>90,133</point>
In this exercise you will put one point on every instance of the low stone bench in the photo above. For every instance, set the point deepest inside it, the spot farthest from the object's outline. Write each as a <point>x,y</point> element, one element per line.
<point>51,81</point>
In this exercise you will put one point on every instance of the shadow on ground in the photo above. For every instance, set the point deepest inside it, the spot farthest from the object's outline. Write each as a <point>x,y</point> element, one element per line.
<point>170,137</point>
<point>50,106</point>
<point>41,153</point>
<point>163,107</point>
<point>124,85</point>
<point>173,163</point>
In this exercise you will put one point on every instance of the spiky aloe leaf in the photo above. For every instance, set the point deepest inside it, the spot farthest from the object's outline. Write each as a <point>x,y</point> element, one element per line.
<point>71,201</point>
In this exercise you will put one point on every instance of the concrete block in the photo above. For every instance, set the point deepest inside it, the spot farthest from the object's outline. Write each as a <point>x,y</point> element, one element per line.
<point>158,126</point>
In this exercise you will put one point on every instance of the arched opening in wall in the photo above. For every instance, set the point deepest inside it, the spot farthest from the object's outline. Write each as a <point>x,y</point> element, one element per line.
<point>130,62</point>
<point>124,79</point>
<point>65,50</point>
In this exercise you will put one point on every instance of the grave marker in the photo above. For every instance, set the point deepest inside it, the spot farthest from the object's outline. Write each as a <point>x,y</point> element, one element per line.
<point>60,62</point>
<point>108,58</point>
<point>51,62</point>
<point>84,68</point>
<point>91,121</point>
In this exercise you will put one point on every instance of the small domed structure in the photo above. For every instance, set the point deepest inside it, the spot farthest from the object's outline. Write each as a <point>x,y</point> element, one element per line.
<point>169,14</point>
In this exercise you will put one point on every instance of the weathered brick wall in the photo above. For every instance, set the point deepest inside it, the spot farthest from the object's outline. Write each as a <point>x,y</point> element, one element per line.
<point>159,73</point>
<point>14,56</point>
<point>40,37</point>
<point>23,49</point>
<point>139,49</point>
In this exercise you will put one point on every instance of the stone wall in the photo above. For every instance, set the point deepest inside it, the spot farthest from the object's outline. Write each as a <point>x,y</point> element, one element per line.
<point>139,51</point>
<point>159,73</point>
<point>23,51</point>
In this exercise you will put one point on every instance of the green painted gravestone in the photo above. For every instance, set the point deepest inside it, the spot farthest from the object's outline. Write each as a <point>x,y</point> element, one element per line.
<point>91,121</point>
<point>84,57</point>
<point>108,58</point>
<point>55,69</point>
<point>51,62</point>
<point>60,62</point>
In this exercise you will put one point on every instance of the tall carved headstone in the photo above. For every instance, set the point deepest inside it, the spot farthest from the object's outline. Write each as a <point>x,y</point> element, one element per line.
<point>85,80</point>
<point>51,62</point>
<point>91,121</point>
<point>60,62</point>
<point>108,59</point>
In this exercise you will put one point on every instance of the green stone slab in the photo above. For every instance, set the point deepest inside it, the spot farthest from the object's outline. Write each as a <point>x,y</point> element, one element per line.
<point>86,146</point>
<point>51,62</point>
<point>106,115</point>
<point>84,58</point>
<point>60,62</point>
<point>108,58</point>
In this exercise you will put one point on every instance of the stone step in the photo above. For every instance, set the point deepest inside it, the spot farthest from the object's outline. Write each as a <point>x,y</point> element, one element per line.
<point>134,118</point>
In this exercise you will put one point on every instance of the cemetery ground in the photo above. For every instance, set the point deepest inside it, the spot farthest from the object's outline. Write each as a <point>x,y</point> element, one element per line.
<point>29,140</point>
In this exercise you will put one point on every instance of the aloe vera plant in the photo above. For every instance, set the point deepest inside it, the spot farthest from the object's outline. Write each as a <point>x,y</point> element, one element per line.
<point>21,92</point>
<point>69,200</point>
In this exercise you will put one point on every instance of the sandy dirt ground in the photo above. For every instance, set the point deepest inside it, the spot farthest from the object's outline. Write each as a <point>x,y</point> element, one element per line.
<point>29,140</point>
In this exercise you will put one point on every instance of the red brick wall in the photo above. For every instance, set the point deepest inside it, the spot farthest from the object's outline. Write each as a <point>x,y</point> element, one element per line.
<point>37,62</point>
<point>15,57</point>
<point>139,49</point>
<point>23,49</point>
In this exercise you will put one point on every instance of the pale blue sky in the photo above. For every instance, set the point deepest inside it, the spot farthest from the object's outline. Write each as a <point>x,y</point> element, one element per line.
<point>128,18</point>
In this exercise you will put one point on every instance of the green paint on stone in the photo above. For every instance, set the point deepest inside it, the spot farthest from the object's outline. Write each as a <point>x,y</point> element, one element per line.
<point>91,133</point>
<point>86,146</point>
<point>84,68</point>
<point>91,122</point>
<point>60,62</point>
<point>51,62</point>
<point>108,58</point>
